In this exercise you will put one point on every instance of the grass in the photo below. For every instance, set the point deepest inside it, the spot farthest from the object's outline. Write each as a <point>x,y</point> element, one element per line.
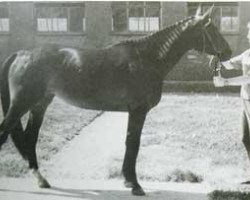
<point>228,195</point>
<point>196,87</point>
<point>193,138</point>
<point>61,124</point>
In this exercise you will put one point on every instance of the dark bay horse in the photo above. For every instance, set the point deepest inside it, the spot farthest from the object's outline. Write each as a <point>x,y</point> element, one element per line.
<point>127,76</point>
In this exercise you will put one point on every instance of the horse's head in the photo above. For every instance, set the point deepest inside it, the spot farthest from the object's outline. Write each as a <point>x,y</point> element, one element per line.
<point>206,36</point>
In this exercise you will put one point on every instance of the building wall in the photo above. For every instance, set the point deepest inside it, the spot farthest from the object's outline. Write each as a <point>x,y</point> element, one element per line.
<point>4,46</point>
<point>242,42</point>
<point>21,26</point>
<point>98,33</point>
<point>98,23</point>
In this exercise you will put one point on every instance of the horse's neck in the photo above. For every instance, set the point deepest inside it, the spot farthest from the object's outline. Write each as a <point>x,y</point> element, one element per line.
<point>168,45</point>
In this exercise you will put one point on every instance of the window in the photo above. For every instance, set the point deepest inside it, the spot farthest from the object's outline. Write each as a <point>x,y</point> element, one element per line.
<point>229,19</point>
<point>226,14</point>
<point>135,16</point>
<point>4,18</point>
<point>63,17</point>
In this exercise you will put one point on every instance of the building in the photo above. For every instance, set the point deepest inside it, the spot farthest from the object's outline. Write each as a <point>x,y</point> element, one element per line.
<point>24,25</point>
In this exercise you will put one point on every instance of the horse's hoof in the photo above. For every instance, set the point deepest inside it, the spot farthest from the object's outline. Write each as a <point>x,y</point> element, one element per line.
<point>246,183</point>
<point>43,184</point>
<point>138,191</point>
<point>128,184</point>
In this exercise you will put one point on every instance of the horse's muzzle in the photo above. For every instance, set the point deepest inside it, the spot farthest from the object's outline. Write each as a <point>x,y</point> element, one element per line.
<point>225,55</point>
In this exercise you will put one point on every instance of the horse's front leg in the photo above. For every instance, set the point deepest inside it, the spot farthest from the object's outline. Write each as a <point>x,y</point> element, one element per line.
<point>135,125</point>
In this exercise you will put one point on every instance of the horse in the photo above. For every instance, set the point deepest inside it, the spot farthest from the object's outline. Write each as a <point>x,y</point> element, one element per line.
<point>127,76</point>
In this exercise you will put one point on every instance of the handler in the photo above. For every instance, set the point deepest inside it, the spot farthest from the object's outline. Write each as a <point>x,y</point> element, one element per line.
<point>241,62</point>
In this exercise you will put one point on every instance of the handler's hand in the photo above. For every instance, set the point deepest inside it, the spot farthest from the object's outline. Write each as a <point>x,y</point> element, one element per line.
<point>219,81</point>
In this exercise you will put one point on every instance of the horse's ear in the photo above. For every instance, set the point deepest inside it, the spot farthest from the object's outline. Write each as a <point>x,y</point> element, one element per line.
<point>203,17</point>
<point>198,11</point>
<point>208,13</point>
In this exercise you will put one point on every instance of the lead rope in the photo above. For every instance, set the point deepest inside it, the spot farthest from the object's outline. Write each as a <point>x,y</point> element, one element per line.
<point>216,73</point>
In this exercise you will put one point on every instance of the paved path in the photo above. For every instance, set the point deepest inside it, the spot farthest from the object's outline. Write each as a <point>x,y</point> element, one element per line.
<point>26,189</point>
<point>90,154</point>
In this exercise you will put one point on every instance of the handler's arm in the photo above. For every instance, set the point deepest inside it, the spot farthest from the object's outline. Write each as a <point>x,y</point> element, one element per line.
<point>237,81</point>
<point>233,63</point>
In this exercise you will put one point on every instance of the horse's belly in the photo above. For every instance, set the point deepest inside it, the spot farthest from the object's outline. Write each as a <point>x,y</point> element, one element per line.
<point>98,100</point>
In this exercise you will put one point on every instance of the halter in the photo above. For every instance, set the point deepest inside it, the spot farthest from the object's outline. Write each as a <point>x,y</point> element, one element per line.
<point>205,33</point>
<point>216,70</point>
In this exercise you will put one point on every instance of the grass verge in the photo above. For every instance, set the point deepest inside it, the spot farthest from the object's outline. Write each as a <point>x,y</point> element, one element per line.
<point>228,195</point>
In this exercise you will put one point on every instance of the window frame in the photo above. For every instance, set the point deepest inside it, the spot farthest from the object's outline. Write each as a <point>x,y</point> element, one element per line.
<point>220,6</point>
<point>238,15</point>
<point>68,6</point>
<point>127,9</point>
<point>6,5</point>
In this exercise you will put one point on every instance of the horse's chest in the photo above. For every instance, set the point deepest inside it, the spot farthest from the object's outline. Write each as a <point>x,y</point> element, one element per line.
<point>146,90</point>
<point>153,97</point>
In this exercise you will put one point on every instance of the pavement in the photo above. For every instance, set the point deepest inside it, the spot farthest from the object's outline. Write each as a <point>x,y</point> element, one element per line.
<point>90,154</point>
<point>26,189</point>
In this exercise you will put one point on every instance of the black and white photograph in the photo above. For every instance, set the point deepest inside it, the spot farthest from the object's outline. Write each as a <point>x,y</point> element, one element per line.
<point>124,100</point>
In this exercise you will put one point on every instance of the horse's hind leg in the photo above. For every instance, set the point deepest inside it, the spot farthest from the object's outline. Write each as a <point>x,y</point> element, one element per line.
<point>3,138</point>
<point>17,131</point>
<point>11,124</point>
<point>31,134</point>
<point>12,119</point>
<point>17,135</point>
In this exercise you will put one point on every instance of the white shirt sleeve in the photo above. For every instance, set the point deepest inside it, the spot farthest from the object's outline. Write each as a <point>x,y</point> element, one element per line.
<point>234,63</point>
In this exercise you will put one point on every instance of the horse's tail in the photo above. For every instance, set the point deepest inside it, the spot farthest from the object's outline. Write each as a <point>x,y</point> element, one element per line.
<point>4,90</point>
<point>4,84</point>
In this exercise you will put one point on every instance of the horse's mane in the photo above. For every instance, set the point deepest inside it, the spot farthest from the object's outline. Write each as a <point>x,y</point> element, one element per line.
<point>167,29</point>
<point>132,41</point>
